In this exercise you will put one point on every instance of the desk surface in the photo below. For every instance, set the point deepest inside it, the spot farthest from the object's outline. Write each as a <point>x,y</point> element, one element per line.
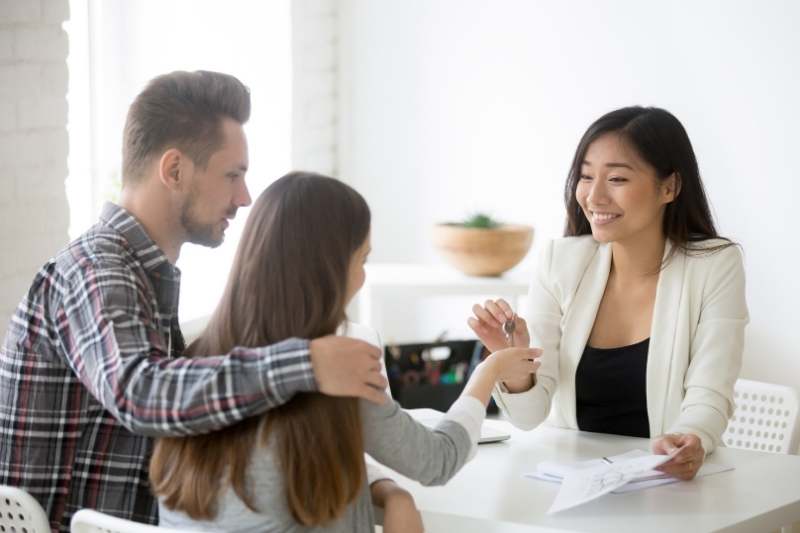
<point>761,494</point>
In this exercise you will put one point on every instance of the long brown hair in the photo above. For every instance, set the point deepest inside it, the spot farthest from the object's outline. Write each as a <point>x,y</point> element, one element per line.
<point>289,279</point>
<point>661,140</point>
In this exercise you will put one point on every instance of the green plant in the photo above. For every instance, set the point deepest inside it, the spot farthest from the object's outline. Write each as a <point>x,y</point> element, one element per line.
<point>480,221</point>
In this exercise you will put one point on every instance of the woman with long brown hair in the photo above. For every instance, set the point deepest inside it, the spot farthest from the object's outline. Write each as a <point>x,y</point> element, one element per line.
<point>301,466</point>
<point>640,309</point>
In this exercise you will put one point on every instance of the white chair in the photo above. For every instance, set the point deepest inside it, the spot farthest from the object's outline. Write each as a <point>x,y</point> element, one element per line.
<point>20,512</point>
<point>91,521</point>
<point>764,418</point>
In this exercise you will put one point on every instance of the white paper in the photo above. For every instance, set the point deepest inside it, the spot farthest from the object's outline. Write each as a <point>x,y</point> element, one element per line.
<point>554,472</point>
<point>552,468</point>
<point>586,484</point>
<point>664,479</point>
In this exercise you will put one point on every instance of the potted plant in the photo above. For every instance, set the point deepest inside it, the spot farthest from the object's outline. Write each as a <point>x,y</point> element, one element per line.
<point>482,246</point>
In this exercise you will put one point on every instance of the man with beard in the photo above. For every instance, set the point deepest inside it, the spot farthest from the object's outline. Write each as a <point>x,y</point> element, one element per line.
<point>91,366</point>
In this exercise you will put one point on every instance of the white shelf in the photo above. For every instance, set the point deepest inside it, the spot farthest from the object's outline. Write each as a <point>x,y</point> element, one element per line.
<point>438,278</point>
<point>386,281</point>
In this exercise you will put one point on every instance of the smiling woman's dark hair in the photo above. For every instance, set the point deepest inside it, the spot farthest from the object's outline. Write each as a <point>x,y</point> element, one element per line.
<point>661,140</point>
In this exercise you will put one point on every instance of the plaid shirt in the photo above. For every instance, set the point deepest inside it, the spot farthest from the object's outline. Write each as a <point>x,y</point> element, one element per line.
<point>86,380</point>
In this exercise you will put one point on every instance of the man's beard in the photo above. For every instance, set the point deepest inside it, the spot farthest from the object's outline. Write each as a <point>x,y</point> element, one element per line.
<point>198,232</point>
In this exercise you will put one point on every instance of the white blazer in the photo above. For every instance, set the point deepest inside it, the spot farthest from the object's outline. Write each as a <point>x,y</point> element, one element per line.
<point>696,338</point>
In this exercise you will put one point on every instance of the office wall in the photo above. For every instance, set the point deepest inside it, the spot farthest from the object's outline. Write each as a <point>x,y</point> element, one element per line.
<point>457,105</point>
<point>33,142</point>
<point>446,107</point>
<point>315,85</point>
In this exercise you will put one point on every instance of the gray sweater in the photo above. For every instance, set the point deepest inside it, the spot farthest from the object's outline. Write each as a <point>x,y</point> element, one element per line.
<point>391,436</point>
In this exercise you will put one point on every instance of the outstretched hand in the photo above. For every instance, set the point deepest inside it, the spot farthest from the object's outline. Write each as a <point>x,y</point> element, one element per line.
<point>514,363</point>
<point>344,366</point>
<point>509,363</point>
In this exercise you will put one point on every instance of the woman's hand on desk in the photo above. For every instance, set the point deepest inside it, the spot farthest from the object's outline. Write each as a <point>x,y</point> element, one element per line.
<point>488,325</point>
<point>687,451</point>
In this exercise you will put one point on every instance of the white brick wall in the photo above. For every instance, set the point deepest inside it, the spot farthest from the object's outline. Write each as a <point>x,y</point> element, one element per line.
<point>315,80</point>
<point>34,214</point>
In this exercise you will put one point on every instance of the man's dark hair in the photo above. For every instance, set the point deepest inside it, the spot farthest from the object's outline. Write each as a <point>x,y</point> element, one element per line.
<point>181,110</point>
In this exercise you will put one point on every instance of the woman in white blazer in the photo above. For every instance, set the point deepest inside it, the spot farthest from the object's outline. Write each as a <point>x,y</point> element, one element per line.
<point>640,309</point>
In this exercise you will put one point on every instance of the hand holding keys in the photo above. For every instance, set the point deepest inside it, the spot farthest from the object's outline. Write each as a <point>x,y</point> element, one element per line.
<point>498,326</point>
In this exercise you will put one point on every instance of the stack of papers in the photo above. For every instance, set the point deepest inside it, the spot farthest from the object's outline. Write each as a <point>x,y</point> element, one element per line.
<point>588,480</point>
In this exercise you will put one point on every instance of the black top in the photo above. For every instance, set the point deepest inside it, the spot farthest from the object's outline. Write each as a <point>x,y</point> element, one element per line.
<point>611,392</point>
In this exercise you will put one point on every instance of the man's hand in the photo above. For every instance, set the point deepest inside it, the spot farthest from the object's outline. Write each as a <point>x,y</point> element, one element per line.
<point>348,367</point>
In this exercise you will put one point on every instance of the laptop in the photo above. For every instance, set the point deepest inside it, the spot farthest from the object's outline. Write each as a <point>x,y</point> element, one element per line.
<point>428,417</point>
<point>431,417</point>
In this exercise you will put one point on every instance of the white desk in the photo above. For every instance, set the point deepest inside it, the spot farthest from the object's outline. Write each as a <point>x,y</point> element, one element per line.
<point>387,280</point>
<point>760,495</point>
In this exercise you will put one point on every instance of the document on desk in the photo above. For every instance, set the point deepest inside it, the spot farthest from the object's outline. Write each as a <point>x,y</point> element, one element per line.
<point>588,480</point>
<point>584,485</point>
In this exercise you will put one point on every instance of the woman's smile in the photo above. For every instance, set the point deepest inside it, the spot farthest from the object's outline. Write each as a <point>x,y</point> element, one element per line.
<point>600,218</point>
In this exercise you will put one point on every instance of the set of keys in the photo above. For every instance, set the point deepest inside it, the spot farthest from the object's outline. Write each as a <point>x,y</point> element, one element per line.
<point>508,328</point>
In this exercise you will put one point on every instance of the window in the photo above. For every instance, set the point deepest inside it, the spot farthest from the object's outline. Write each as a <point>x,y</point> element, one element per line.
<point>117,46</point>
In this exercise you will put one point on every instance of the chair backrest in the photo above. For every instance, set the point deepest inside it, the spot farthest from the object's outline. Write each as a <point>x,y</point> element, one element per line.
<point>20,512</point>
<point>90,521</point>
<point>764,418</point>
